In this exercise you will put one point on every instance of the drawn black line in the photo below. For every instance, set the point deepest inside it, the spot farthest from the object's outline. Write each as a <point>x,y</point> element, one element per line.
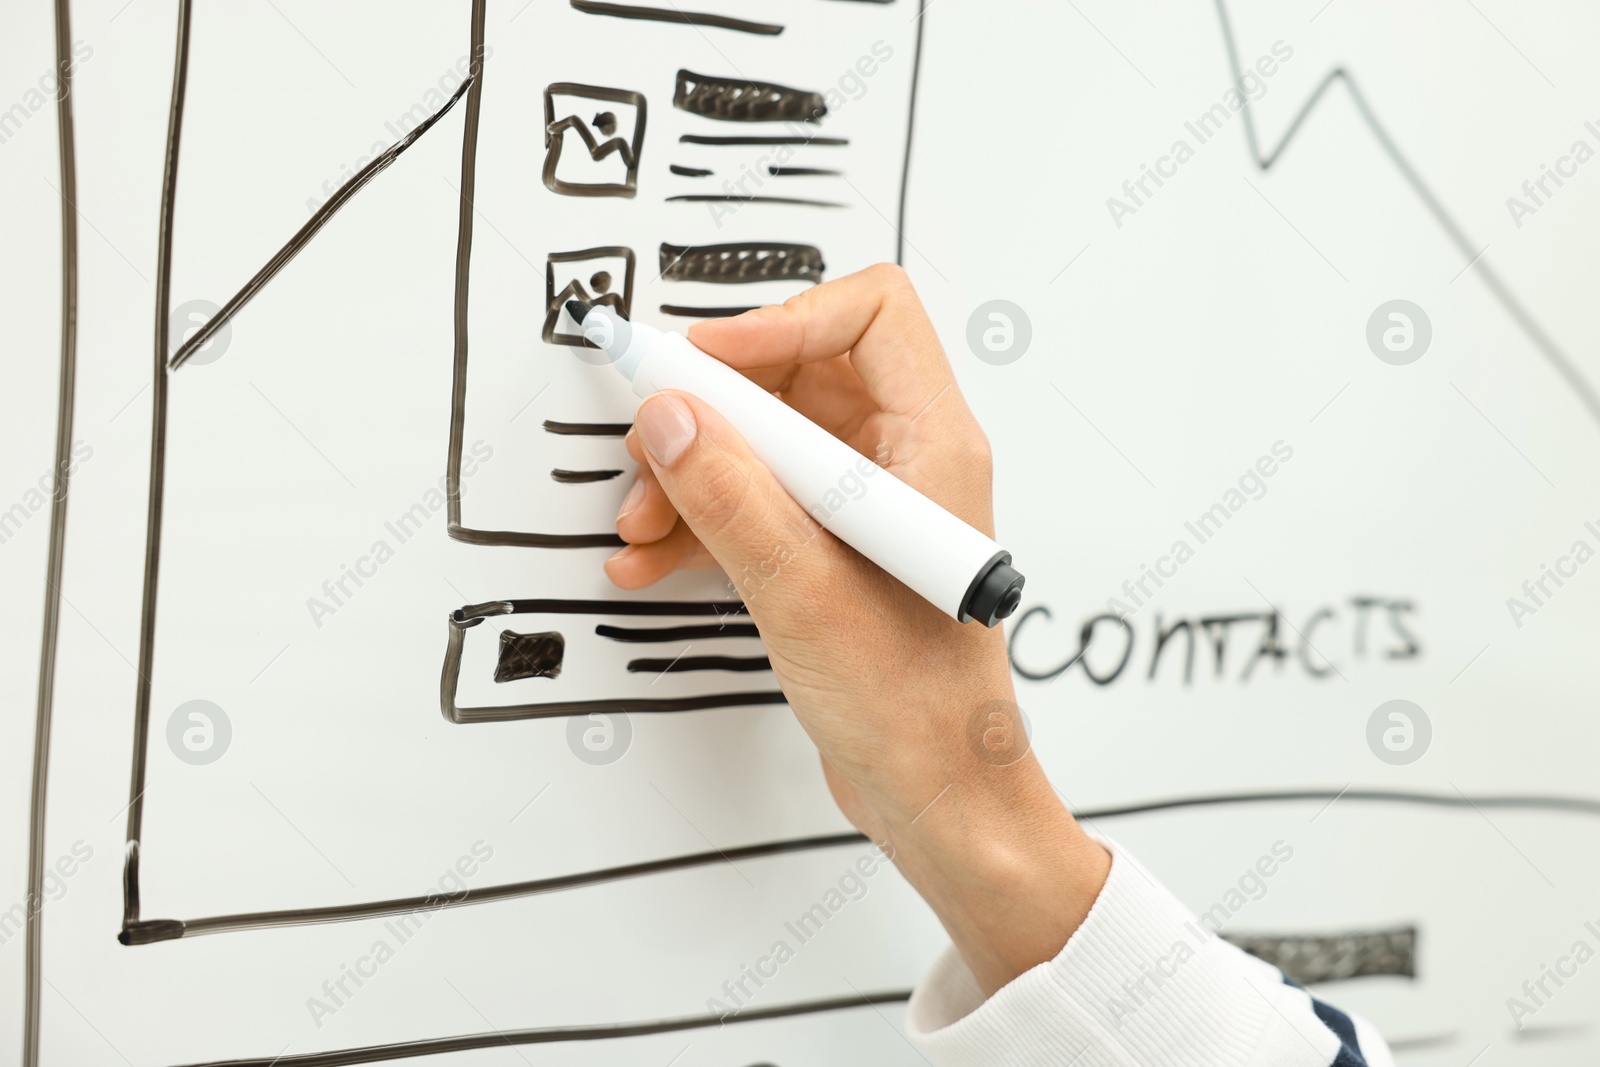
<point>700,138</point>
<point>911,126</point>
<point>689,172</point>
<point>588,429</point>
<point>580,477</point>
<point>639,635</point>
<point>1553,353</point>
<point>689,18</point>
<point>741,263</point>
<point>155,930</point>
<point>680,664</point>
<point>684,311</point>
<point>550,1035</point>
<point>55,562</point>
<point>303,236</point>
<point>803,172</point>
<point>702,198</point>
<point>739,100</point>
<point>158,460</point>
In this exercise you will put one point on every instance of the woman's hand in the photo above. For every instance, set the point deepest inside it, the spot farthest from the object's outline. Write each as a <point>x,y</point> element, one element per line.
<point>913,713</point>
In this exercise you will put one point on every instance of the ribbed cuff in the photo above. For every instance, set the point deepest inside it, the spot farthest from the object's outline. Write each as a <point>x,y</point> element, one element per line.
<point>1141,982</point>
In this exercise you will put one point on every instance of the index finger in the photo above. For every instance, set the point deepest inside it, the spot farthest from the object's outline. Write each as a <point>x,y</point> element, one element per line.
<point>874,315</point>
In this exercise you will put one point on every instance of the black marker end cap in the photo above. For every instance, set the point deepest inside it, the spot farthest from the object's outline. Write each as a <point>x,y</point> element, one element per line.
<point>996,593</point>
<point>577,309</point>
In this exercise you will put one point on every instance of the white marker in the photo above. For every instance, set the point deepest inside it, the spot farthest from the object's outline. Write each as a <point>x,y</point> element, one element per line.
<point>951,565</point>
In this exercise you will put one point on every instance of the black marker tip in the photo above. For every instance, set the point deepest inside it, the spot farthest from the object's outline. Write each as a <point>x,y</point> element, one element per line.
<point>577,309</point>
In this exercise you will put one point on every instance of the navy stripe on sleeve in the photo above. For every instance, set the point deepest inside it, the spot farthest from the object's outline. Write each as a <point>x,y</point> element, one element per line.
<point>1341,1026</point>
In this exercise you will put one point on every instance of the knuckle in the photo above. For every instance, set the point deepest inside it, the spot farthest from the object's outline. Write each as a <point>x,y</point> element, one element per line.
<point>890,275</point>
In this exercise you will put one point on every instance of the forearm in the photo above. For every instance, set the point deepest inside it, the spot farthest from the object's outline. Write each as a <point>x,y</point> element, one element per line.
<point>1002,863</point>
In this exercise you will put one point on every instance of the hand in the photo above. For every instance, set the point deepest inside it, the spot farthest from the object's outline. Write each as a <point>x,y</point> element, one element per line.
<point>913,713</point>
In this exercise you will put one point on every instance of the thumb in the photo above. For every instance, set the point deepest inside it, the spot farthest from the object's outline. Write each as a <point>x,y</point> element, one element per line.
<point>767,545</point>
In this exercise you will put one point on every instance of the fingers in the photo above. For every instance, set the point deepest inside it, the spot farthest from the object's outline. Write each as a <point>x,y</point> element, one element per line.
<point>874,315</point>
<point>730,502</point>
<point>635,566</point>
<point>646,514</point>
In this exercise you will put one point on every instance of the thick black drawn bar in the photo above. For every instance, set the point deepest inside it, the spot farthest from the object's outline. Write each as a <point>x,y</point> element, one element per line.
<point>681,664</point>
<point>640,635</point>
<point>738,100</point>
<point>588,429</point>
<point>741,263</point>
<point>684,311</point>
<point>567,477</point>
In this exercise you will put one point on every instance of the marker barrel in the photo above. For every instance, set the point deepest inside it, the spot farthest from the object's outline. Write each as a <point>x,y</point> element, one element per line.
<point>950,564</point>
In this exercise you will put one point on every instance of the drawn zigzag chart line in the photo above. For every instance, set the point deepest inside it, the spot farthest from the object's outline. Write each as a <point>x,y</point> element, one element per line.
<point>1552,352</point>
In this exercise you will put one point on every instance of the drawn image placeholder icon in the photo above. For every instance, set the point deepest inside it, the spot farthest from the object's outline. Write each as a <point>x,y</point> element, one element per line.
<point>593,275</point>
<point>592,139</point>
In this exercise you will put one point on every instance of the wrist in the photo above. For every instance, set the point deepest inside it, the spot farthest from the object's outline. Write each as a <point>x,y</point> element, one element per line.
<point>1003,864</point>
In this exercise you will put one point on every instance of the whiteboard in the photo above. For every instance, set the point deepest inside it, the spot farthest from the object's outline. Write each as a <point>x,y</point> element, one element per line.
<point>1268,506</point>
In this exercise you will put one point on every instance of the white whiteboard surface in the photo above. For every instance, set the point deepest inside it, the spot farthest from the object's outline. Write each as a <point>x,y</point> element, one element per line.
<point>1176,337</point>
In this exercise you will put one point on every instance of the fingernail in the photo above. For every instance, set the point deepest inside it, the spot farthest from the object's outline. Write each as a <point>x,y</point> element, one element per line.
<point>666,426</point>
<point>620,553</point>
<point>634,498</point>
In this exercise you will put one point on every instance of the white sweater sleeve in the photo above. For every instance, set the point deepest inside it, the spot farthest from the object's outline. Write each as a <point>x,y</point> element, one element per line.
<point>1140,984</point>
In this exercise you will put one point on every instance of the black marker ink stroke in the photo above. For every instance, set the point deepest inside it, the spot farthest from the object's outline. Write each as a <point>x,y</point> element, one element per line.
<point>313,226</point>
<point>469,183</point>
<point>580,477</point>
<point>155,930</point>
<point>588,429</point>
<point>522,656</point>
<point>684,311</point>
<point>738,100</point>
<point>705,198</point>
<point>803,172</point>
<point>701,138</point>
<point>689,18</point>
<point>1553,353</point>
<point>911,127</point>
<point>550,1035</point>
<point>681,664</point>
<point>171,929</point>
<point>689,172</point>
<point>641,635</point>
<point>66,391</point>
<point>158,460</point>
<point>738,264</point>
